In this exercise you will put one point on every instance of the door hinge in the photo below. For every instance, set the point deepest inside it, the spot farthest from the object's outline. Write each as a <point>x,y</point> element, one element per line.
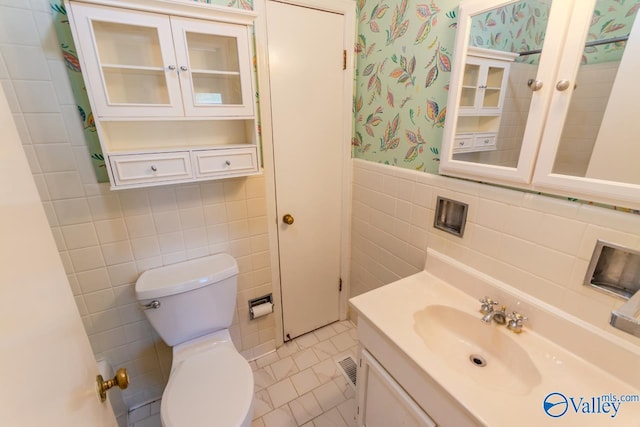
<point>344,59</point>
<point>340,285</point>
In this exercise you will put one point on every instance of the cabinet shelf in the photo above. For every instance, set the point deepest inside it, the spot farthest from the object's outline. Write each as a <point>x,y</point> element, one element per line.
<point>133,68</point>
<point>216,72</point>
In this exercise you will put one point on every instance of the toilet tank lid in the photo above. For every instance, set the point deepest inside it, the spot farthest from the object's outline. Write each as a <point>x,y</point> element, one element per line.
<point>185,276</point>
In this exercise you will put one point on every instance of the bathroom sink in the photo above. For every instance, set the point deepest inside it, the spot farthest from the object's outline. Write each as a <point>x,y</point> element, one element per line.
<point>487,353</point>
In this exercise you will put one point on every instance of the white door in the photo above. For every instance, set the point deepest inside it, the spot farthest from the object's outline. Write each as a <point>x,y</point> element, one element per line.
<point>307,93</point>
<point>46,364</point>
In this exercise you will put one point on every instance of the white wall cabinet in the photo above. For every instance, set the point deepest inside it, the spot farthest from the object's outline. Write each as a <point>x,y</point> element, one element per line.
<point>485,77</point>
<point>555,79</point>
<point>484,83</point>
<point>171,87</point>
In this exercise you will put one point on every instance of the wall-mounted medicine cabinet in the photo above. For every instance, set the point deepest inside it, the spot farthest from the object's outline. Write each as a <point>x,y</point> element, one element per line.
<point>171,87</point>
<point>566,121</point>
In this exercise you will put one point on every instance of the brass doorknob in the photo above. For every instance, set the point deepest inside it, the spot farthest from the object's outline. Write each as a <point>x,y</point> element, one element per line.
<point>121,380</point>
<point>287,219</point>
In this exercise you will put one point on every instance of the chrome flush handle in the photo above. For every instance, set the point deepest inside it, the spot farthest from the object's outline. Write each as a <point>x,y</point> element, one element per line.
<point>152,305</point>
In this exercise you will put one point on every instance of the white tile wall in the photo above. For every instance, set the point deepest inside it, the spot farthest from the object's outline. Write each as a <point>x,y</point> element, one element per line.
<point>536,243</point>
<point>585,117</point>
<point>106,239</point>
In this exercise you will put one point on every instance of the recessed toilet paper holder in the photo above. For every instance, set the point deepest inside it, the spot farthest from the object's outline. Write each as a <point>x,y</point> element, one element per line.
<point>255,302</point>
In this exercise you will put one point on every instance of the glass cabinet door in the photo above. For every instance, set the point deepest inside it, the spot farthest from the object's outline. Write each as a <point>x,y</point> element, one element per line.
<point>493,87</point>
<point>130,63</point>
<point>482,86</point>
<point>215,67</point>
<point>469,86</point>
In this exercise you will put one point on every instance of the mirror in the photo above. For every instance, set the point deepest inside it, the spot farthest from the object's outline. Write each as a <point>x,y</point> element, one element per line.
<point>542,96</point>
<point>599,137</point>
<point>503,55</point>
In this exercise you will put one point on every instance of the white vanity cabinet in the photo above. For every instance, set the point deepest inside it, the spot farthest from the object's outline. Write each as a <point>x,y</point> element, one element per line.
<point>381,400</point>
<point>563,122</point>
<point>171,88</point>
<point>393,391</point>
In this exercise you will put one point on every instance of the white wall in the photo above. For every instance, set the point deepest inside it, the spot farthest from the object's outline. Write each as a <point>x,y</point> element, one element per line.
<point>106,239</point>
<point>539,244</point>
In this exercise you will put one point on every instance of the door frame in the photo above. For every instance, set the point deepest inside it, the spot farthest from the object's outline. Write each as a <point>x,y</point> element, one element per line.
<point>346,8</point>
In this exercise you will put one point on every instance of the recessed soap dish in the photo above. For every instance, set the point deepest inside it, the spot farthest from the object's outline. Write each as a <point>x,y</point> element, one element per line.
<point>614,269</point>
<point>451,216</point>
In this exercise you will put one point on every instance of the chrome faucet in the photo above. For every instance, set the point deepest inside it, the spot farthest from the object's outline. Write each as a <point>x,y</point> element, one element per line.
<point>498,316</point>
<point>515,322</point>
<point>625,317</point>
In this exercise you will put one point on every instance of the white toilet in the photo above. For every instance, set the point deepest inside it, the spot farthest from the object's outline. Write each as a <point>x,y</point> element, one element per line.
<point>191,306</point>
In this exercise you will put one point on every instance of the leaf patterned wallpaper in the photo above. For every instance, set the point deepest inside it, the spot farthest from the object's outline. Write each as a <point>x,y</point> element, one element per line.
<point>611,18</point>
<point>518,27</point>
<point>521,26</point>
<point>404,52</point>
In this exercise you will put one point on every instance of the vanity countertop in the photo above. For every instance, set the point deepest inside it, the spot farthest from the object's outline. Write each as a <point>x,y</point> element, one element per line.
<point>495,397</point>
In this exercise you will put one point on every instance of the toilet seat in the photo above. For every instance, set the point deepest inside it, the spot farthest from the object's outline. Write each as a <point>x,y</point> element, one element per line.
<point>213,387</point>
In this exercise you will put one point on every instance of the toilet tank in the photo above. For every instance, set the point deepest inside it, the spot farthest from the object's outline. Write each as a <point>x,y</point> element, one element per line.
<point>192,298</point>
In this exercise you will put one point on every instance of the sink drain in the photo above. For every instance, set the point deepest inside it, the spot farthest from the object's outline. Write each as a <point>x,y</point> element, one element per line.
<point>478,360</point>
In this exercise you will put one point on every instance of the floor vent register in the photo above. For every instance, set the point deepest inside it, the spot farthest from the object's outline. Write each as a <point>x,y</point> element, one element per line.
<point>349,368</point>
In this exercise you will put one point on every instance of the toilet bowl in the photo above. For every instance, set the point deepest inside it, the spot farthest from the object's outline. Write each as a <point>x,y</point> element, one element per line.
<point>191,306</point>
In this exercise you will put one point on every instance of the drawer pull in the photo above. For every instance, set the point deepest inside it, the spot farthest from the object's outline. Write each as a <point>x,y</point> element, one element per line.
<point>154,168</point>
<point>227,162</point>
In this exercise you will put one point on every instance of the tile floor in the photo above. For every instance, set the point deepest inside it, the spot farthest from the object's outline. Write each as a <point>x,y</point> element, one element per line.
<point>299,385</point>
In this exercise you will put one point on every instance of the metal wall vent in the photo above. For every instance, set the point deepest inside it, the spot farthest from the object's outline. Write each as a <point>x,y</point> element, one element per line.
<point>349,369</point>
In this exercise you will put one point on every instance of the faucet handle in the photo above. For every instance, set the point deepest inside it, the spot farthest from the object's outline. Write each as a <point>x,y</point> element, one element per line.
<point>515,321</point>
<point>487,305</point>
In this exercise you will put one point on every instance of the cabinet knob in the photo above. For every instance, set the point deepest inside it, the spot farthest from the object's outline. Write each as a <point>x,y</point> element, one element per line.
<point>183,68</point>
<point>154,168</point>
<point>534,85</point>
<point>563,85</point>
<point>171,67</point>
<point>227,162</point>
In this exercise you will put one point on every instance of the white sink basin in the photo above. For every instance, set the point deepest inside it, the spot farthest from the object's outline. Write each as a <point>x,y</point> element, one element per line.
<point>484,352</point>
<point>424,328</point>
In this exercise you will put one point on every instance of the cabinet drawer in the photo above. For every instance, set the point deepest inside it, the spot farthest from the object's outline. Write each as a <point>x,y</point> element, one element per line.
<point>232,161</point>
<point>462,143</point>
<point>484,140</point>
<point>143,168</point>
